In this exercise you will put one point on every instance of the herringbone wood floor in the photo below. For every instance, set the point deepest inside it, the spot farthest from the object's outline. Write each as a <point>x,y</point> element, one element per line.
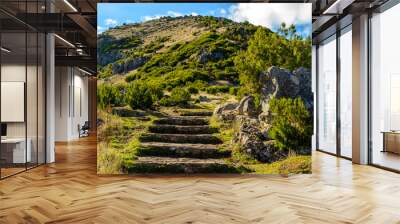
<point>69,191</point>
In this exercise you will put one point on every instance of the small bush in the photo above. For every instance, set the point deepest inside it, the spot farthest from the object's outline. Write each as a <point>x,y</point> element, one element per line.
<point>291,124</point>
<point>179,96</point>
<point>109,95</point>
<point>192,89</point>
<point>105,72</point>
<point>196,86</point>
<point>132,77</point>
<point>217,89</point>
<point>234,90</point>
<point>142,95</point>
<point>183,77</point>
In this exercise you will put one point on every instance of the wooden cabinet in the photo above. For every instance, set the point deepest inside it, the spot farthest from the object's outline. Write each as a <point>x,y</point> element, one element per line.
<point>391,142</point>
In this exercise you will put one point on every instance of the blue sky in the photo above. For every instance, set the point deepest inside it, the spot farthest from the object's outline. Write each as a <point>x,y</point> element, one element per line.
<point>270,15</point>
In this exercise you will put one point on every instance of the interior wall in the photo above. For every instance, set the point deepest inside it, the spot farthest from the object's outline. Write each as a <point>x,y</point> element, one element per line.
<point>71,102</point>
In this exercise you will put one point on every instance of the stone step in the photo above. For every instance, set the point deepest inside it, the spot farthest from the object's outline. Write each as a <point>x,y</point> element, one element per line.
<point>196,113</point>
<point>182,120</point>
<point>178,129</point>
<point>180,138</point>
<point>182,150</point>
<point>154,164</point>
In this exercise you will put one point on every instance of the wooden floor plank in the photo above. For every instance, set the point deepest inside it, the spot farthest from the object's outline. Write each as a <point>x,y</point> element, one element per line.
<point>70,191</point>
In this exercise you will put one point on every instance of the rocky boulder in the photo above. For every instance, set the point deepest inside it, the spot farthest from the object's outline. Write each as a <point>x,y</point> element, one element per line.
<point>227,111</point>
<point>304,76</point>
<point>126,112</point>
<point>250,137</point>
<point>247,106</point>
<point>206,56</point>
<point>277,83</point>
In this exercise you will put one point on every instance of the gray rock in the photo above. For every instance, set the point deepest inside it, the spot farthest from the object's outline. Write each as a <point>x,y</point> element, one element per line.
<point>225,108</point>
<point>108,57</point>
<point>226,112</point>
<point>126,112</point>
<point>250,137</point>
<point>277,83</point>
<point>304,76</point>
<point>206,56</point>
<point>247,107</point>
<point>204,99</point>
<point>128,65</point>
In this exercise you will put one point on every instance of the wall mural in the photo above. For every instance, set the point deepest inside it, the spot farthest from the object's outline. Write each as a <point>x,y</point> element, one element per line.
<point>204,88</point>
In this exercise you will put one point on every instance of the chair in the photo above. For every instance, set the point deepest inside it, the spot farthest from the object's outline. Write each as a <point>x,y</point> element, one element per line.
<point>84,130</point>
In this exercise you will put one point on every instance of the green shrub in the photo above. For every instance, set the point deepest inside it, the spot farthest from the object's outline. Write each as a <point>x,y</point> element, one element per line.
<point>105,72</point>
<point>291,124</point>
<point>217,89</point>
<point>192,89</point>
<point>132,76</point>
<point>196,86</point>
<point>140,94</point>
<point>182,77</point>
<point>179,96</point>
<point>109,95</point>
<point>234,90</point>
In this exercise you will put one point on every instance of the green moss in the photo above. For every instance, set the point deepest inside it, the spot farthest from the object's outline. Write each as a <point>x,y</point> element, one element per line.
<point>291,165</point>
<point>118,141</point>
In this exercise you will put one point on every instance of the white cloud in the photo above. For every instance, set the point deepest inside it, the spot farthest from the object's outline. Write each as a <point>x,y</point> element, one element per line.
<point>212,12</point>
<point>222,11</point>
<point>147,18</point>
<point>100,29</point>
<point>194,14</point>
<point>111,22</point>
<point>271,14</point>
<point>174,14</point>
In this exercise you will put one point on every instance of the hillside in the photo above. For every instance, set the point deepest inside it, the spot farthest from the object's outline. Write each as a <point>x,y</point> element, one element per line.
<point>197,94</point>
<point>202,45</point>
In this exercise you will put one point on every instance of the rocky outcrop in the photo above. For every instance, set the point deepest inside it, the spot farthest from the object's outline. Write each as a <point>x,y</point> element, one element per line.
<point>304,76</point>
<point>252,141</point>
<point>206,56</point>
<point>254,124</point>
<point>247,106</point>
<point>109,57</point>
<point>127,112</point>
<point>105,54</point>
<point>226,112</point>
<point>128,65</point>
<point>278,83</point>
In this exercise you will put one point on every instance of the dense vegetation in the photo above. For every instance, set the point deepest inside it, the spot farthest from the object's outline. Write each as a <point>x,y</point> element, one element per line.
<point>291,124</point>
<point>220,50</point>
<point>174,63</point>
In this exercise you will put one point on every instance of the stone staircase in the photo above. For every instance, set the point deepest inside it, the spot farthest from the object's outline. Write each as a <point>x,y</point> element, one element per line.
<point>182,144</point>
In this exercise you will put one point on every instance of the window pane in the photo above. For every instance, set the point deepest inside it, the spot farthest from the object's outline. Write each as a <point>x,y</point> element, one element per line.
<point>346,93</point>
<point>327,96</point>
<point>385,84</point>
